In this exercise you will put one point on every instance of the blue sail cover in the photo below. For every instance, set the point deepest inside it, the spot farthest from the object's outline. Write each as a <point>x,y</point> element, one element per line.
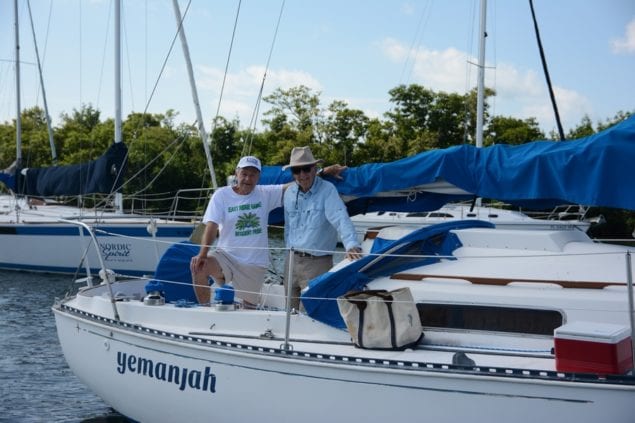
<point>430,241</point>
<point>103,175</point>
<point>591,171</point>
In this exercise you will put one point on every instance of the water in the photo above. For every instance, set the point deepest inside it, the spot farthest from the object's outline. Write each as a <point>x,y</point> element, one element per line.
<point>36,384</point>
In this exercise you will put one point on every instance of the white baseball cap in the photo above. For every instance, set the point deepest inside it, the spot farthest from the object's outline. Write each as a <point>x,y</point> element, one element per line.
<point>249,161</point>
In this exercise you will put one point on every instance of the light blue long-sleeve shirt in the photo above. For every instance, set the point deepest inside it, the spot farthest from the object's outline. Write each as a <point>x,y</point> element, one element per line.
<point>314,218</point>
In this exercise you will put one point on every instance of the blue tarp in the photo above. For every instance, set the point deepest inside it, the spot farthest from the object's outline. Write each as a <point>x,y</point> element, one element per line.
<point>172,276</point>
<point>319,299</point>
<point>103,175</point>
<point>591,171</point>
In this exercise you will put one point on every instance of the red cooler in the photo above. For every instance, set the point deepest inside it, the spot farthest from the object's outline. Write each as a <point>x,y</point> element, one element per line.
<point>587,347</point>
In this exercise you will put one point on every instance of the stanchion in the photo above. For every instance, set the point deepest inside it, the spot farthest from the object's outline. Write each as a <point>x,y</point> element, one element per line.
<point>286,346</point>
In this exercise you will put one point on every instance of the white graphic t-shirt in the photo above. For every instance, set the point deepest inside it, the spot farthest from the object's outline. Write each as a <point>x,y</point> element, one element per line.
<point>242,221</point>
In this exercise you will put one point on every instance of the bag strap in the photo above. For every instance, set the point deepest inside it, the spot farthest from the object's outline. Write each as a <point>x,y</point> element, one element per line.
<point>391,317</point>
<point>361,306</point>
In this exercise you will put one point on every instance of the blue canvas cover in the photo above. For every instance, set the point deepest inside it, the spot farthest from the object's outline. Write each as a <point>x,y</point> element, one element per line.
<point>591,171</point>
<point>103,175</point>
<point>174,266</point>
<point>319,299</point>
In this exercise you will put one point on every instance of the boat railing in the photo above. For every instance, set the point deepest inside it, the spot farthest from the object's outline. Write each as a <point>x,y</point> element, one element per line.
<point>108,277</point>
<point>185,204</point>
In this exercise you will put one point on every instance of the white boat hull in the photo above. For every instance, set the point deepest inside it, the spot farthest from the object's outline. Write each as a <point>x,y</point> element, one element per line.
<point>35,239</point>
<point>244,377</point>
<point>503,219</point>
<point>58,248</point>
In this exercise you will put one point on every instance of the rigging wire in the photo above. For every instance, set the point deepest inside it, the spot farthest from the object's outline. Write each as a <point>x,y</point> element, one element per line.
<point>495,60</point>
<point>165,61</point>
<point>103,56</point>
<point>40,72</point>
<point>222,88</point>
<point>154,88</point>
<point>411,57</point>
<point>126,38</point>
<point>254,116</point>
<point>469,52</point>
<point>546,72</point>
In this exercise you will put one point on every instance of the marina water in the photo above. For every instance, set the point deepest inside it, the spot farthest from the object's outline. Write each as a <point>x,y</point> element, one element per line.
<point>37,385</point>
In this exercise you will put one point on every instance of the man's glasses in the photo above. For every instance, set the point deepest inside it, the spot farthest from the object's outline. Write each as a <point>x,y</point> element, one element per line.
<point>298,170</point>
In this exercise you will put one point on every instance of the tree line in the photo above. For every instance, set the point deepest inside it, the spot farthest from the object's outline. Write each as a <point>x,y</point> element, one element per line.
<point>166,157</point>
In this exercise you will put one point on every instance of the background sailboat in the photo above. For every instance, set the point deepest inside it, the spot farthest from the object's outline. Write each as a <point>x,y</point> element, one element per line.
<point>500,217</point>
<point>33,238</point>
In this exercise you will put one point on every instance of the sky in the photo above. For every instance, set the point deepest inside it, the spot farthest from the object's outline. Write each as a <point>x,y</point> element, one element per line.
<point>349,50</point>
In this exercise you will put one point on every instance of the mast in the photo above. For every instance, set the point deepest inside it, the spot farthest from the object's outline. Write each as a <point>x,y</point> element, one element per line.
<point>197,106</point>
<point>18,117</point>
<point>46,107</point>
<point>118,135</point>
<point>480,90</point>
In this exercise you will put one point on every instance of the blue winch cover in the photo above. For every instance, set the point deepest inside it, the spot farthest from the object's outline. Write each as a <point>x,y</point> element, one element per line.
<point>431,241</point>
<point>174,266</point>
<point>592,171</point>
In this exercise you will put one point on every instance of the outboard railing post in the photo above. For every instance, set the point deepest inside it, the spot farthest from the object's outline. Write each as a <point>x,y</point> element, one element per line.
<point>286,346</point>
<point>629,280</point>
<point>104,273</point>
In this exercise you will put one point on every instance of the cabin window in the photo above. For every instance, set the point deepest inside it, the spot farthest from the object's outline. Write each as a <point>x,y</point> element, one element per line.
<point>440,214</point>
<point>417,214</point>
<point>488,318</point>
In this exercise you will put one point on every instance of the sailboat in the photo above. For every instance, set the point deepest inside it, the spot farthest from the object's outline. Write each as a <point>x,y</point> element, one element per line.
<point>517,350</point>
<point>500,217</point>
<point>35,239</point>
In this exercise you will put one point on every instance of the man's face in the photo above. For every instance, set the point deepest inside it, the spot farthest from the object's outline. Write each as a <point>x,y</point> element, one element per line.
<point>304,176</point>
<point>247,179</point>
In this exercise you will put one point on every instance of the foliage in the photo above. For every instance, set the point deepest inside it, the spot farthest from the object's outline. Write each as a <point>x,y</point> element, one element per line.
<point>165,157</point>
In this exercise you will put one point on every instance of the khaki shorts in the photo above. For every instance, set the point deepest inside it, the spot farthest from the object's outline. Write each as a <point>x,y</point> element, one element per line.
<point>247,279</point>
<point>305,268</point>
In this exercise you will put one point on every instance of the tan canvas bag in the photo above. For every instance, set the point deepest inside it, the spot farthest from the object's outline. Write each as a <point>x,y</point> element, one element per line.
<point>380,319</point>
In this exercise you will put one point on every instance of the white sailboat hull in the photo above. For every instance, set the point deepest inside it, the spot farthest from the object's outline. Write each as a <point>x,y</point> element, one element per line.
<point>224,370</point>
<point>36,239</point>
<point>503,219</point>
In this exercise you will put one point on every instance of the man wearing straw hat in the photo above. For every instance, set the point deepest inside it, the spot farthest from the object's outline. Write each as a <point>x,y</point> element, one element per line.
<point>239,214</point>
<point>314,215</point>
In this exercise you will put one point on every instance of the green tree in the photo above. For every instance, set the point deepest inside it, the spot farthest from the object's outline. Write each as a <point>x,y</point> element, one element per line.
<point>344,130</point>
<point>508,130</point>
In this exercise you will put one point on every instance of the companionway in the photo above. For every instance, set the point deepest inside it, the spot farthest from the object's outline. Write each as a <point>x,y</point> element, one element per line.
<point>183,377</point>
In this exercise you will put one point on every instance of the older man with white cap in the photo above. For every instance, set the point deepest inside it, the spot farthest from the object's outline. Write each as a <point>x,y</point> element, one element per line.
<point>314,215</point>
<point>239,214</point>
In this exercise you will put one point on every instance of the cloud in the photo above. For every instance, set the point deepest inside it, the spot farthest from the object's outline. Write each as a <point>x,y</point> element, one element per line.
<point>626,44</point>
<point>242,87</point>
<point>520,93</point>
<point>443,70</point>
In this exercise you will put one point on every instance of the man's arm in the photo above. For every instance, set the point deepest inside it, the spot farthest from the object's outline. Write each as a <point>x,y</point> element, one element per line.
<point>337,215</point>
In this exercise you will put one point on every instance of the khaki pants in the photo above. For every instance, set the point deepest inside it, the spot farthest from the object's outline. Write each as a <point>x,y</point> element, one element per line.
<point>305,268</point>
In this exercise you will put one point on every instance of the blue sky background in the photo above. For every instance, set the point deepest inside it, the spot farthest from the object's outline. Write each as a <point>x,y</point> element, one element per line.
<point>350,50</point>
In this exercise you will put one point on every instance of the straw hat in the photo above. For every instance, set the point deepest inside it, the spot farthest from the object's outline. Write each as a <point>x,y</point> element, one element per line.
<point>301,156</point>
